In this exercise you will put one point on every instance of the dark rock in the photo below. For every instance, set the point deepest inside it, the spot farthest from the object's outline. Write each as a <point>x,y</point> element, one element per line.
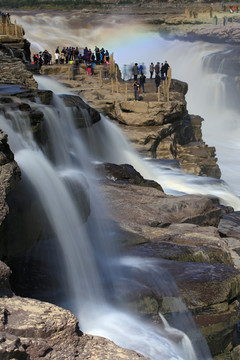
<point>45,96</point>
<point>80,116</point>
<point>126,173</point>
<point>229,225</point>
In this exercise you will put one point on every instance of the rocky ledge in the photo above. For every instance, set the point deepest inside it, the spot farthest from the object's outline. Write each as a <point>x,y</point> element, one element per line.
<point>158,127</point>
<point>192,237</point>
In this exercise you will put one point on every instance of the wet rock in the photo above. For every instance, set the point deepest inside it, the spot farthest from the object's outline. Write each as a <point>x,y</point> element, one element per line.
<point>85,115</point>
<point>9,173</point>
<point>126,173</point>
<point>34,329</point>
<point>210,291</point>
<point>229,225</point>
<point>45,96</point>
<point>145,210</point>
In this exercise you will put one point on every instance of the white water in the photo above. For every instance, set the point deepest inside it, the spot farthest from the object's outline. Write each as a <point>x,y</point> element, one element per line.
<point>86,251</point>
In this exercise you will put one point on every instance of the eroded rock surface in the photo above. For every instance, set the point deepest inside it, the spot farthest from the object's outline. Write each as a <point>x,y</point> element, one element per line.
<point>30,329</point>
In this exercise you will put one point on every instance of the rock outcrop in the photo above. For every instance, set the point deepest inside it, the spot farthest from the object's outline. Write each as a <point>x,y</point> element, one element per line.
<point>201,261</point>
<point>30,329</point>
<point>157,128</point>
<point>13,70</point>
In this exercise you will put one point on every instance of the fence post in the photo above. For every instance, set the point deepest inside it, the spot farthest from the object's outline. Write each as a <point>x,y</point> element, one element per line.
<point>126,89</point>
<point>100,78</point>
<point>15,26</point>
<point>159,93</point>
<point>169,76</point>
<point>112,84</point>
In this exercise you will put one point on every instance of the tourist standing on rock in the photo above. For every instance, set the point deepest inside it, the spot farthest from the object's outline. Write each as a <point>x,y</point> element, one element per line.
<point>151,70</point>
<point>89,67</point>
<point>162,71</point>
<point>142,68</point>
<point>142,80</point>
<point>135,71</point>
<point>166,67</point>
<point>40,61</point>
<point>136,90</point>
<point>125,72</point>
<point>157,81</point>
<point>93,65</point>
<point>157,68</point>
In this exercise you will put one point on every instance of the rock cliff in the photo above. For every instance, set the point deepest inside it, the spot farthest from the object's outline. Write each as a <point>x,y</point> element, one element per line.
<point>157,127</point>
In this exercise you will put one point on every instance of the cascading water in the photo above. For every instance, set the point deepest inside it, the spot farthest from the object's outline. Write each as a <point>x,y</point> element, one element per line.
<point>98,317</point>
<point>91,270</point>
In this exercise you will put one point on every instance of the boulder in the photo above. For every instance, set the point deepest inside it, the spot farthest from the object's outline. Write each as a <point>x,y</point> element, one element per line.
<point>84,112</point>
<point>126,173</point>
<point>146,210</point>
<point>30,329</point>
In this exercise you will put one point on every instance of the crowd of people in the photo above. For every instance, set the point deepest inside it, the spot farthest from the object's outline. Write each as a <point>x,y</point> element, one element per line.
<point>160,72</point>
<point>70,55</point>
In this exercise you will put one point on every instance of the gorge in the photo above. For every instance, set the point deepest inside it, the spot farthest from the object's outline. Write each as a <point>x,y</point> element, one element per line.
<point>104,273</point>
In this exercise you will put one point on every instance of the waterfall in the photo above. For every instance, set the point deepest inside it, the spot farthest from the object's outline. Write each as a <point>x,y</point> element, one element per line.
<point>91,262</point>
<point>90,258</point>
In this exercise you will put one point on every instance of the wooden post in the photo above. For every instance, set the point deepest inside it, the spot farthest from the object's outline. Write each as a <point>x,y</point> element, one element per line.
<point>159,93</point>
<point>21,32</point>
<point>100,78</point>
<point>112,84</point>
<point>117,86</point>
<point>126,92</point>
<point>169,76</point>
<point>7,29</point>
<point>15,26</point>
<point>167,94</point>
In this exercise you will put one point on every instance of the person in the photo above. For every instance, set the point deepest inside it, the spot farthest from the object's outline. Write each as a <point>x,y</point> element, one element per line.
<point>136,90</point>
<point>125,71</point>
<point>166,67</point>
<point>151,70</point>
<point>135,71</point>
<point>224,20</point>
<point>157,81</point>
<point>157,68</point>
<point>89,67</point>
<point>40,61</point>
<point>93,65</point>
<point>142,82</point>
<point>107,55</point>
<point>142,68</point>
<point>216,19</point>
<point>162,71</point>
<point>106,70</point>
